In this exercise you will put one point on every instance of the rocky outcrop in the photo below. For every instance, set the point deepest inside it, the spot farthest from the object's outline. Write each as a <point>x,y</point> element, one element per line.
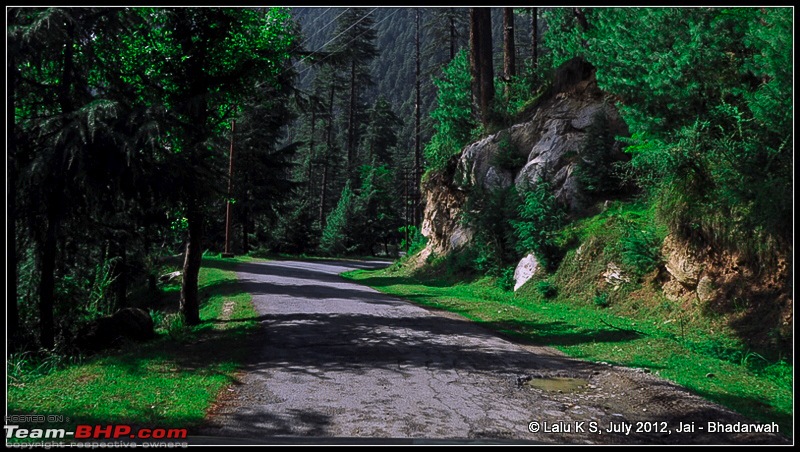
<point>441,222</point>
<point>549,145</point>
<point>756,298</point>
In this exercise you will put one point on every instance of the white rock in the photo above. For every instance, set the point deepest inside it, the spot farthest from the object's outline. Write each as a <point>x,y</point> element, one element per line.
<point>525,270</point>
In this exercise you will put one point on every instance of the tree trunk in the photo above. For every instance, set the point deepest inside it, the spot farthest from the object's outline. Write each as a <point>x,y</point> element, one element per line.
<point>190,301</point>
<point>326,154</point>
<point>509,56</point>
<point>12,310</point>
<point>417,148</point>
<point>47,282</point>
<point>120,273</point>
<point>311,150</point>
<point>535,36</point>
<point>351,123</point>
<point>452,37</point>
<point>245,230</point>
<point>481,60</point>
<point>55,203</point>
<point>474,57</point>
<point>581,16</point>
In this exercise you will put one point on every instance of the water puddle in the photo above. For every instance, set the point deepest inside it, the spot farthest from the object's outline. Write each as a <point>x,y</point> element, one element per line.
<point>557,384</point>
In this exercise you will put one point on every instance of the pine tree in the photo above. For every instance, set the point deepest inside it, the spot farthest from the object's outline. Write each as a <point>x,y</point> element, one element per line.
<point>353,50</point>
<point>481,63</point>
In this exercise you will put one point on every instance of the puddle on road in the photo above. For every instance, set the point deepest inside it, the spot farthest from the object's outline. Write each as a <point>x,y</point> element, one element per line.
<point>557,384</point>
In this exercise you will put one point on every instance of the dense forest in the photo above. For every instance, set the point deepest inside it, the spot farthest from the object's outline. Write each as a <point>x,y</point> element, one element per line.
<point>123,124</point>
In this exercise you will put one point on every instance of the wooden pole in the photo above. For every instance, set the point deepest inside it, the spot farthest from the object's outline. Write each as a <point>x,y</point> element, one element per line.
<point>229,207</point>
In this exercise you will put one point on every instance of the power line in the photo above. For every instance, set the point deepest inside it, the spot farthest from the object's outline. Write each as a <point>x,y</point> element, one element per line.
<point>354,38</point>
<point>324,26</point>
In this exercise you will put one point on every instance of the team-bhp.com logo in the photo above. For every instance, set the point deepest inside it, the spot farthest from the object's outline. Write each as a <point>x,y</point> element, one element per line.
<point>83,431</point>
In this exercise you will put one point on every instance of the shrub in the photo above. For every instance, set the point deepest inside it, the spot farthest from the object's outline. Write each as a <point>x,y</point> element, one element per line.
<point>541,218</point>
<point>506,279</point>
<point>416,241</point>
<point>334,236</point>
<point>490,213</point>
<point>452,116</point>
<point>601,300</point>
<point>175,326</point>
<point>546,289</point>
<point>508,156</point>
<point>641,250</point>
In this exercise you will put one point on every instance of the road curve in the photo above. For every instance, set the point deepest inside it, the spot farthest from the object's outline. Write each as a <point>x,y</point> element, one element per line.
<point>337,360</point>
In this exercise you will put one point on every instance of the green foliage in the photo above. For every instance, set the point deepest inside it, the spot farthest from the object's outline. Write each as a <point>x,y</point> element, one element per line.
<point>641,250</point>
<point>175,326</point>
<point>121,125</point>
<point>540,220</point>
<point>505,281</point>
<point>452,116</point>
<point>707,96</point>
<point>100,301</point>
<point>130,386</point>
<point>596,171</point>
<point>416,241</point>
<point>26,366</point>
<point>297,230</point>
<point>334,240</point>
<point>375,215</point>
<point>490,214</point>
<point>601,300</point>
<point>546,289</point>
<point>522,92</point>
<point>508,156</point>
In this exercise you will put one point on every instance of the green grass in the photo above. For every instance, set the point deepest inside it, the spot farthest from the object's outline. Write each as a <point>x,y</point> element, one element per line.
<point>163,383</point>
<point>742,381</point>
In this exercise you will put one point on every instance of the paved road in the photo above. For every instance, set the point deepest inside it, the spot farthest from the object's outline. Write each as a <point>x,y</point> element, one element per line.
<point>338,360</point>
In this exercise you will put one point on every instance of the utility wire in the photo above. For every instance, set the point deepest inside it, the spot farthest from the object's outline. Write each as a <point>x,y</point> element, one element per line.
<point>354,38</point>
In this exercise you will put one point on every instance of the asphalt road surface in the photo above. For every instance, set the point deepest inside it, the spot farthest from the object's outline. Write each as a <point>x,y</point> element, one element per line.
<point>336,362</point>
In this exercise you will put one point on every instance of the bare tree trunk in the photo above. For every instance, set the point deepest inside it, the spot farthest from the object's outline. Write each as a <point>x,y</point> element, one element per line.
<point>47,282</point>
<point>474,56</point>
<point>417,149</point>
<point>190,301</point>
<point>121,274</point>
<point>581,16</point>
<point>452,38</point>
<point>12,310</point>
<point>55,201</point>
<point>535,36</point>
<point>311,150</point>
<point>245,230</point>
<point>509,56</point>
<point>328,143</point>
<point>486,63</point>
<point>351,122</point>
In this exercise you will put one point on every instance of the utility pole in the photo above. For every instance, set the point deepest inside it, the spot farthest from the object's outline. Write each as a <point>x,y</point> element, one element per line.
<point>417,149</point>
<point>228,210</point>
<point>405,204</point>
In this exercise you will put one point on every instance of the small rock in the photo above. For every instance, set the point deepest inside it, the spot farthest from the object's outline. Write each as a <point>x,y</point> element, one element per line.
<point>169,276</point>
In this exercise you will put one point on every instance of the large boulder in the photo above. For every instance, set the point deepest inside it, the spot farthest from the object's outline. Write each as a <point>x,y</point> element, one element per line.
<point>550,144</point>
<point>104,332</point>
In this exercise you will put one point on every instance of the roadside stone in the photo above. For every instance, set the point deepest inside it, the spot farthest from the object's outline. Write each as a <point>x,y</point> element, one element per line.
<point>526,268</point>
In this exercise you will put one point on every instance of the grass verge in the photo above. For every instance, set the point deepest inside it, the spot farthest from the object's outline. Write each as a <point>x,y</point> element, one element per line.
<point>169,382</point>
<point>756,389</point>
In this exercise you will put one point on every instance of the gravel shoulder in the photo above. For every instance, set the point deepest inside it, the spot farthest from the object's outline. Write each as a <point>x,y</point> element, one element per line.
<point>335,360</point>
